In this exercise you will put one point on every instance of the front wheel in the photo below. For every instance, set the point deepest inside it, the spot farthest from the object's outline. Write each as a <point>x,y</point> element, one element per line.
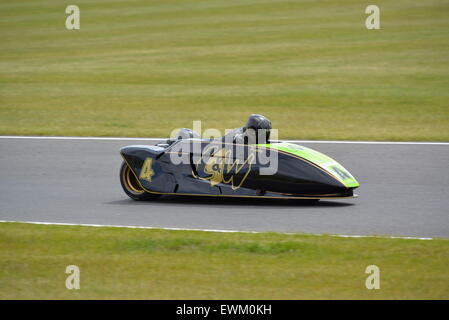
<point>131,185</point>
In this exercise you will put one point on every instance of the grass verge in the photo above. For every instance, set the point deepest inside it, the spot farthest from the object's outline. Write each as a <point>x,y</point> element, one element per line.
<point>124,263</point>
<point>140,68</point>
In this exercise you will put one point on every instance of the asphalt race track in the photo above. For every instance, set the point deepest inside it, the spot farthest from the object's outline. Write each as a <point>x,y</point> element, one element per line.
<point>404,192</point>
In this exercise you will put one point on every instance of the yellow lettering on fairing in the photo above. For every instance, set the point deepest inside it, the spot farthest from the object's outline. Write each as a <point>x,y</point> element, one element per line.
<point>221,164</point>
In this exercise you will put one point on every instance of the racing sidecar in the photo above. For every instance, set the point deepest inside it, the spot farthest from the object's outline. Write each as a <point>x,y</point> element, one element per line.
<point>203,167</point>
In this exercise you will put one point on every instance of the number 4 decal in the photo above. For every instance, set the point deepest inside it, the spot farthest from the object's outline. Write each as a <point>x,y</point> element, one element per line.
<point>147,171</point>
<point>341,173</point>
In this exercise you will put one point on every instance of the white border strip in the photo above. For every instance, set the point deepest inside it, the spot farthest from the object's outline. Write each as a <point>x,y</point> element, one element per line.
<point>81,138</point>
<point>159,139</point>
<point>210,230</point>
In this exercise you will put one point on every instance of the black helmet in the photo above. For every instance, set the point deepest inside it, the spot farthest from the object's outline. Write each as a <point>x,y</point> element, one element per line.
<point>257,122</point>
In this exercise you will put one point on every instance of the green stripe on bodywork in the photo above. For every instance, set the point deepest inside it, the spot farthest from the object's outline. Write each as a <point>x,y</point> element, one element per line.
<point>318,158</point>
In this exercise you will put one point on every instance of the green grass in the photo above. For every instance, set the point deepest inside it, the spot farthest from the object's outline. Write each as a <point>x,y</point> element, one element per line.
<point>143,68</point>
<point>156,264</point>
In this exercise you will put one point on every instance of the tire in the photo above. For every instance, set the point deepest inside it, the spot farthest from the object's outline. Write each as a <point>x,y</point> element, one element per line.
<point>131,185</point>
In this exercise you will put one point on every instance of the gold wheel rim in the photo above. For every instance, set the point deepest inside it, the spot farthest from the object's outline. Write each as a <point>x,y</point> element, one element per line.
<point>131,181</point>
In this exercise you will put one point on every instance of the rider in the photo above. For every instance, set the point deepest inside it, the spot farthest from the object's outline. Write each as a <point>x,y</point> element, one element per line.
<point>256,130</point>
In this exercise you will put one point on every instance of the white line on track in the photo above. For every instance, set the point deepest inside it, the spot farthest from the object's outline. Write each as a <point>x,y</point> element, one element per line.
<point>370,142</point>
<point>209,230</point>
<point>159,139</point>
